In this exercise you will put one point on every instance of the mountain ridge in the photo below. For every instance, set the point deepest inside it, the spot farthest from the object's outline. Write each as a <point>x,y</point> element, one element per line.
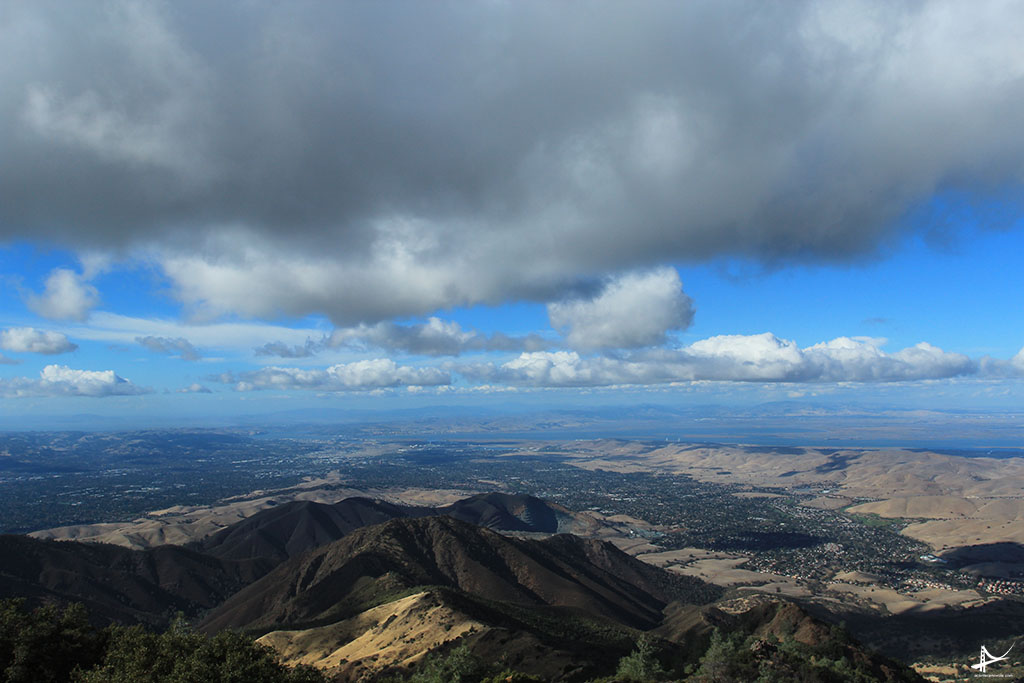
<point>406,553</point>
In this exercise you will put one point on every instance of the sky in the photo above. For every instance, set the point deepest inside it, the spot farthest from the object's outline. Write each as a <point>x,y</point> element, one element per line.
<point>235,208</point>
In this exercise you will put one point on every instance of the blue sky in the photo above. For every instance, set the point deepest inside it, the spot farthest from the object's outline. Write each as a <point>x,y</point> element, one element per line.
<point>556,209</point>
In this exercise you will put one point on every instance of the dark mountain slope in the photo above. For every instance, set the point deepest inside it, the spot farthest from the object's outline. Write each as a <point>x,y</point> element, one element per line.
<point>287,530</point>
<point>508,512</point>
<point>118,584</point>
<point>375,563</point>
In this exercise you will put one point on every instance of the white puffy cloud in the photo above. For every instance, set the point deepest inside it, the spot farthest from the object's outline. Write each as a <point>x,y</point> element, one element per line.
<point>32,340</point>
<point>60,380</point>
<point>569,369</point>
<point>758,357</point>
<point>195,388</point>
<point>380,373</point>
<point>742,358</point>
<point>845,359</point>
<point>178,345</point>
<point>631,311</point>
<point>67,296</point>
<point>1000,368</point>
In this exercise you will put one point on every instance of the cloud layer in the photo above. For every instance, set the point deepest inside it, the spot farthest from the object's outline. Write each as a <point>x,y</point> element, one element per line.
<point>761,358</point>
<point>732,358</point>
<point>364,375</point>
<point>370,161</point>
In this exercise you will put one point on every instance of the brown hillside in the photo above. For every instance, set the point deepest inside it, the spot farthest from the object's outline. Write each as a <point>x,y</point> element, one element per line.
<point>375,563</point>
<point>118,584</point>
<point>293,528</point>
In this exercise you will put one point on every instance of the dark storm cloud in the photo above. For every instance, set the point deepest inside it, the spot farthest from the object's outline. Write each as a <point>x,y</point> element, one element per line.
<point>370,160</point>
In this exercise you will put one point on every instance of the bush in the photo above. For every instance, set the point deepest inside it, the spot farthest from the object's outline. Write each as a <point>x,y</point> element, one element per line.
<point>727,660</point>
<point>47,645</point>
<point>641,665</point>
<point>458,666</point>
<point>181,655</point>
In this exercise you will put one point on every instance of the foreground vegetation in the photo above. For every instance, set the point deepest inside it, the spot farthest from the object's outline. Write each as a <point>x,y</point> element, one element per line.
<point>729,658</point>
<point>49,644</point>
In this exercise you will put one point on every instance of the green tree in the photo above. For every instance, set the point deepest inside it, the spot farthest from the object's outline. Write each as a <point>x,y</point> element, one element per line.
<point>47,643</point>
<point>726,660</point>
<point>181,655</point>
<point>641,665</point>
<point>458,666</point>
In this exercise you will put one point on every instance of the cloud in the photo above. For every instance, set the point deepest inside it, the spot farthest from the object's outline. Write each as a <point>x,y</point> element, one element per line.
<point>4,360</point>
<point>282,350</point>
<point>538,148</point>
<point>735,358</point>
<point>60,380</point>
<point>67,296</point>
<point>999,368</point>
<point>31,340</point>
<point>631,311</point>
<point>364,375</point>
<point>243,336</point>
<point>195,388</point>
<point>435,337</point>
<point>179,345</point>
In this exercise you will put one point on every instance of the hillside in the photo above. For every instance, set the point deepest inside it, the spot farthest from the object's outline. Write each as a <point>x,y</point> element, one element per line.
<point>517,512</point>
<point>118,584</point>
<point>390,599</point>
<point>769,639</point>
<point>284,531</point>
<point>363,568</point>
<point>280,532</point>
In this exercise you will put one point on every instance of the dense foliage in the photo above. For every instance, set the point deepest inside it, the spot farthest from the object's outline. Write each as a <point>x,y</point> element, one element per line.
<point>48,644</point>
<point>730,657</point>
<point>735,657</point>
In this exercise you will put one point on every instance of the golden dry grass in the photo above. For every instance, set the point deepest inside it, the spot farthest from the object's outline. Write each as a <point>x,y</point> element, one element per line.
<point>394,634</point>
